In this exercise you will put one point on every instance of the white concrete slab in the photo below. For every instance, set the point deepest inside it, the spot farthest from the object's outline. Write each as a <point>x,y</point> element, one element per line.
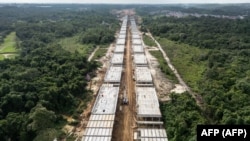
<point>138,48</point>
<point>117,59</point>
<point>147,102</point>
<point>140,59</point>
<point>113,74</point>
<point>123,32</point>
<point>106,100</point>
<point>119,48</point>
<point>153,134</point>
<point>136,41</point>
<point>120,41</point>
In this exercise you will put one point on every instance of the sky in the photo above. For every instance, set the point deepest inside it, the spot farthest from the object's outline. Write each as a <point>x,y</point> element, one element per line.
<point>125,1</point>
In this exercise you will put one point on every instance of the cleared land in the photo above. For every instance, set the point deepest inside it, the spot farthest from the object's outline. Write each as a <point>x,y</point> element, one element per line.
<point>9,44</point>
<point>99,53</point>
<point>162,84</point>
<point>196,96</point>
<point>187,60</point>
<point>148,41</point>
<point>8,47</point>
<point>123,129</point>
<point>130,89</point>
<point>72,44</point>
<point>163,65</point>
<point>1,57</point>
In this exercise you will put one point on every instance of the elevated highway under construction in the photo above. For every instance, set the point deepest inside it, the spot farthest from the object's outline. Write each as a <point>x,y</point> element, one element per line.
<point>128,77</point>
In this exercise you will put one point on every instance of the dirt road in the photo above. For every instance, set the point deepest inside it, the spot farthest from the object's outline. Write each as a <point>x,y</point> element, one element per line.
<point>92,54</point>
<point>123,130</point>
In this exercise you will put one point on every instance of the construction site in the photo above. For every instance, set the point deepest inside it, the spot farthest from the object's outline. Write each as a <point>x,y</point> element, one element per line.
<point>126,106</point>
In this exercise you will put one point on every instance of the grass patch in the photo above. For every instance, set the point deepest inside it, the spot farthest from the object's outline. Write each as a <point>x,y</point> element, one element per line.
<point>99,53</point>
<point>104,46</point>
<point>72,44</point>
<point>9,56</point>
<point>12,56</point>
<point>148,41</point>
<point>9,44</point>
<point>1,57</point>
<point>164,66</point>
<point>187,60</point>
<point>8,47</point>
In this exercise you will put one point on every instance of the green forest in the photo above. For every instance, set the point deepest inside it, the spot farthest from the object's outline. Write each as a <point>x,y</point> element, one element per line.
<point>212,55</point>
<point>46,79</point>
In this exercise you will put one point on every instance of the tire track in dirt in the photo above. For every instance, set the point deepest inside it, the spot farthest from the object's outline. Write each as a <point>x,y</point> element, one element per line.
<point>123,130</point>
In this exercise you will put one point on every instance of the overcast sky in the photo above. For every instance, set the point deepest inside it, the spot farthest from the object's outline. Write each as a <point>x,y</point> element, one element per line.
<point>125,1</point>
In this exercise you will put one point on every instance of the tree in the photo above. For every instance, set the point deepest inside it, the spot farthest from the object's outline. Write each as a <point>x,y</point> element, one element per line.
<point>41,118</point>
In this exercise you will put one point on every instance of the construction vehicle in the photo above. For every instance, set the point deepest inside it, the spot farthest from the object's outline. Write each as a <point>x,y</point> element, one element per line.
<point>125,98</point>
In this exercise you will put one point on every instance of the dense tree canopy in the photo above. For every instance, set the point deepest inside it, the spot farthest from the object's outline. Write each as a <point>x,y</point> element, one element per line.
<point>205,32</point>
<point>225,83</point>
<point>46,81</point>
